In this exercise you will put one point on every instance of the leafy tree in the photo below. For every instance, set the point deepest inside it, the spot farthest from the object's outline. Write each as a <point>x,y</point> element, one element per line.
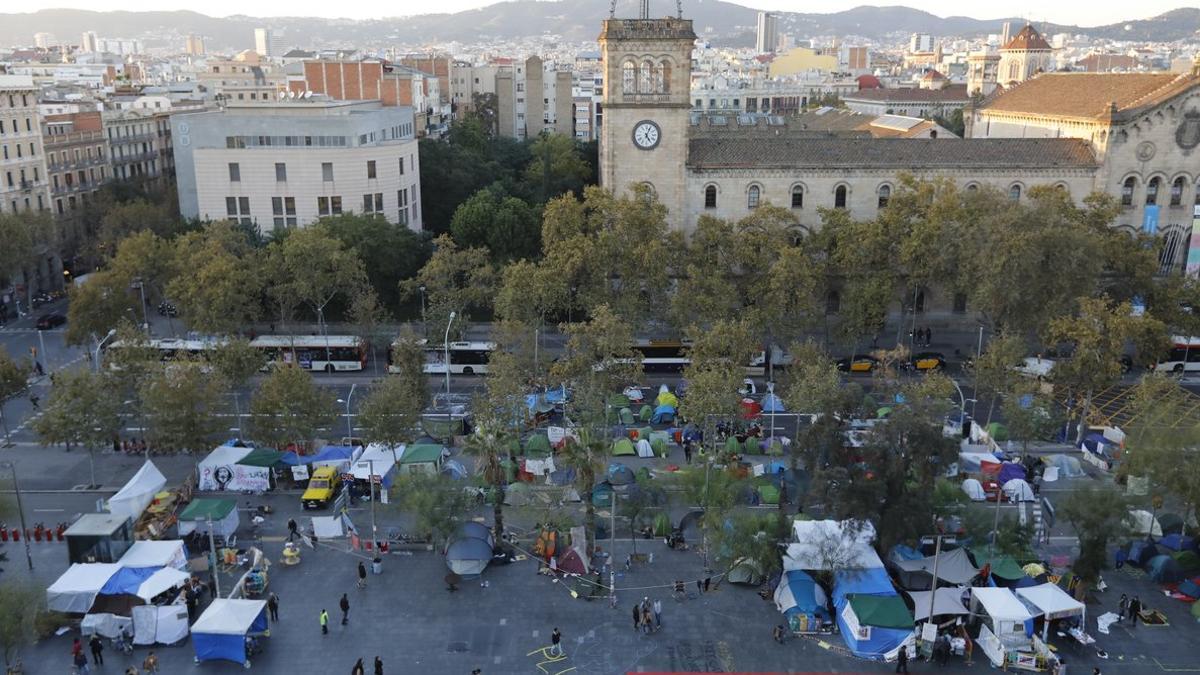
<point>753,537</point>
<point>369,316</point>
<point>439,503</point>
<point>289,407</point>
<point>1098,516</point>
<point>26,237</point>
<point>183,399</point>
<point>391,413</point>
<point>599,360</point>
<point>718,359</point>
<point>716,490</point>
<point>484,113</point>
<point>20,605</point>
<point>456,280</point>
<point>504,225</point>
<point>144,258</point>
<point>995,372</point>
<point>314,268</point>
<point>530,293</point>
<point>635,504</point>
<point>1161,440</point>
<point>122,220</point>
<point>490,444</point>
<point>218,279</point>
<point>98,306</point>
<point>237,361</point>
<point>558,166</point>
<point>13,378</point>
<point>1029,415</point>
<point>814,387</point>
<point>389,253</point>
<point>81,410</point>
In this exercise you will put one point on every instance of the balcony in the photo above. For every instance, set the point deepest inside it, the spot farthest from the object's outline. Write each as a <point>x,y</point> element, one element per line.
<point>71,188</point>
<point>136,157</point>
<point>83,163</point>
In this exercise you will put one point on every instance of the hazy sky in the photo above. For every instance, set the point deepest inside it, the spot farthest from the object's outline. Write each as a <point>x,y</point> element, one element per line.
<point>1078,12</point>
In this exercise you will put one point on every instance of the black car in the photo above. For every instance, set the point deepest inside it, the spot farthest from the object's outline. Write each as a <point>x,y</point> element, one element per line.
<point>51,320</point>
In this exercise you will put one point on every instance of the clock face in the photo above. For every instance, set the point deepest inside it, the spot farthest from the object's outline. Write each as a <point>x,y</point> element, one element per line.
<point>646,135</point>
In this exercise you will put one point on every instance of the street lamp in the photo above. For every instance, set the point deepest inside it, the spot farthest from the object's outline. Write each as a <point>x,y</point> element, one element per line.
<point>422,289</point>
<point>349,425</point>
<point>111,333</point>
<point>446,362</point>
<point>20,509</point>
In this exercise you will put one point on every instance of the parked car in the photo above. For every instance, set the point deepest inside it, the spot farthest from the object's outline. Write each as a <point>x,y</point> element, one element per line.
<point>928,361</point>
<point>322,488</point>
<point>51,320</point>
<point>167,309</point>
<point>859,363</point>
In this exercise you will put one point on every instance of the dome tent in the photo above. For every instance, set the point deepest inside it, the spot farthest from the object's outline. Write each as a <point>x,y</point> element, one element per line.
<point>538,445</point>
<point>623,447</point>
<point>468,556</point>
<point>746,572</point>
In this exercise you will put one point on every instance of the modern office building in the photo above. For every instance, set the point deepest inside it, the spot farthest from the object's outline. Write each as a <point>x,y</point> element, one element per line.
<point>766,36</point>
<point>288,163</point>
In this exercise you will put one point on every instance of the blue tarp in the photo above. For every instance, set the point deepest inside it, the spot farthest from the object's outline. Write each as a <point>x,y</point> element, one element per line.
<point>1097,444</point>
<point>332,453</point>
<point>881,641</point>
<point>225,647</point>
<point>1009,471</point>
<point>878,645</point>
<point>663,414</point>
<point>557,395</point>
<point>127,580</point>
<point>772,404</point>
<point>1140,553</point>
<point>874,581</point>
<point>901,552</point>
<point>454,469</point>
<point>1177,542</point>
<point>290,458</point>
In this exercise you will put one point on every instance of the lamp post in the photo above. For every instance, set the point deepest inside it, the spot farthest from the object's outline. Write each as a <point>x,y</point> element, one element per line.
<point>349,425</point>
<point>20,509</point>
<point>111,333</point>
<point>422,289</point>
<point>978,355</point>
<point>446,362</point>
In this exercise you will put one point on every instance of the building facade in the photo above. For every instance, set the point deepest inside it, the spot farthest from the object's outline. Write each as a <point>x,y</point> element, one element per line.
<point>76,160</point>
<point>23,181</point>
<point>289,163</point>
<point>133,145</point>
<point>766,35</point>
<point>374,79</point>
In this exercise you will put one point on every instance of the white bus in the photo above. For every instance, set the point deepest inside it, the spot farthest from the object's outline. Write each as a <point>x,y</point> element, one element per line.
<point>466,358</point>
<point>319,353</point>
<point>1184,356</point>
<point>671,356</point>
<point>168,349</point>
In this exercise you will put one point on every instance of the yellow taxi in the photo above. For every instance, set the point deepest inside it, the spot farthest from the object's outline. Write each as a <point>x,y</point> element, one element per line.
<point>322,488</point>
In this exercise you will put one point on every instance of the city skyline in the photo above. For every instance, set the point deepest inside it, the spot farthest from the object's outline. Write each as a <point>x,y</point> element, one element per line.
<point>1068,12</point>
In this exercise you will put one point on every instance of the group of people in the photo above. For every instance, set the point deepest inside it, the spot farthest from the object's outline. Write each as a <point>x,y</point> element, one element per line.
<point>647,615</point>
<point>360,669</point>
<point>922,337</point>
<point>1129,608</point>
<point>96,646</point>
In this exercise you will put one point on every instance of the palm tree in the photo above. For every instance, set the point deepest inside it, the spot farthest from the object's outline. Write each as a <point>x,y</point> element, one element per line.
<point>585,455</point>
<point>489,446</point>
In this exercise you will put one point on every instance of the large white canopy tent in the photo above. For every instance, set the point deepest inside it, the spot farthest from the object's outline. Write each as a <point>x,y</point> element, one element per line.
<point>947,601</point>
<point>133,498</point>
<point>75,591</point>
<point>1051,602</point>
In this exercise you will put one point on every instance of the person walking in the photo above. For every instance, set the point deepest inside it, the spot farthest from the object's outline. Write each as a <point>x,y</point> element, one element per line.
<point>293,530</point>
<point>150,665</point>
<point>647,621</point>
<point>928,337</point>
<point>902,660</point>
<point>273,606</point>
<point>378,666</point>
<point>81,664</point>
<point>1122,607</point>
<point>637,616</point>
<point>76,647</point>
<point>97,646</point>
<point>556,643</point>
<point>687,451</point>
<point>1135,609</point>
<point>324,618</point>
<point>362,575</point>
<point>358,668</point>
<point>657,608</point>
<point>344,603</point>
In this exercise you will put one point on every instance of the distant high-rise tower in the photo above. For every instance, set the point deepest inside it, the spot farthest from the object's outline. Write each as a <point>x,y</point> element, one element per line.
<point>1005,33</point>
<point>194,45</point>
<point>920,42</point>
<point>767,39</point>
<point>44,40</point>
<point>264,41</point>
<point>89,42</point>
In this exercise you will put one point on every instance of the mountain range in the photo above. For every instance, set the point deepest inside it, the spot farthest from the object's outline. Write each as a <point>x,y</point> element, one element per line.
<point>724,23</point>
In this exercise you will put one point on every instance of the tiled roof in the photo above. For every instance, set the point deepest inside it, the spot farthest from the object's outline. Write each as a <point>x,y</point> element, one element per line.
<point>952,93</point>
<point>1089,95</point>
<point>1028,38</point>
<point>889,153</point>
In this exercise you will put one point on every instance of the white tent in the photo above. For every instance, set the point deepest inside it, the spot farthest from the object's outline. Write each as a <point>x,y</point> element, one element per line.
<point>169,553</point>
<point>953,567</point>
<point>972,462</point>
<point>1143,523</point>
<point>1052,602</point>
<point>221,471</point>
<point>1007,613</point>
<point>830,544</point>
<point>644,448</point>
<point>382,456</point>
<point>133,498</point>
<point>164,625</point>
<point>947,601</point>
<point>1017,490</point>
<point>974,490</point>
<point>162,580</point>
<point>75,591</point>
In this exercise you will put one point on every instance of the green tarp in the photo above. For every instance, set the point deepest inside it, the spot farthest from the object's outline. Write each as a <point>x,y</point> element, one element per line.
<point>768,494</point>
<point>618,400</point>
<point>203,509</point>
<point>1002,566</point>
<point>750,446</point>
<point>537,446</point>
<point>261,457</point>
<point>998,432</point>
<point>623,447</point>
<point>883,611</point>
<point>425,452</point>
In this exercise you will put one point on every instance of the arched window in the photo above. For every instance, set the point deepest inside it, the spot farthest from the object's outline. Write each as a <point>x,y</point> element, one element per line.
<point>885,195</point>
<point>1152,191</point>
<point>797,196</point>
<point>629,77</point>
<point>1127,189</point>
<point>839,197</point>
<point>710,197</point>
<point>1177,192</point>
<point>664,77</point>
<point>1014,192</point>
<point>753,195</point>
<point>646,192</point>
<point>646,78</point>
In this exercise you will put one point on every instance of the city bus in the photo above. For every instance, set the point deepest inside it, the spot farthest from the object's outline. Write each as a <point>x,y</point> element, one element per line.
<point>671,356</point>
<point>167,349</point>
<point>318,353</point>
<point>1184,356</point>
<point>466,358</point>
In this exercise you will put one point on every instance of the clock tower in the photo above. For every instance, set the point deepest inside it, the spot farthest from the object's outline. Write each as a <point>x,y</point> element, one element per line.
<point>646,106</point>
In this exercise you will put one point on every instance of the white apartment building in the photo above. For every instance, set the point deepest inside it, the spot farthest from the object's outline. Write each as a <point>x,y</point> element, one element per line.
<point>133,144</point>
<point>22,159</point>
<point>288,163</point>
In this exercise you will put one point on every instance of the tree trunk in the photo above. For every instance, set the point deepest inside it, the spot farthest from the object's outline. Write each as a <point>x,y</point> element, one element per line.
<point>1087,402</point>
<point>92,464</point>
<point>498,511</point>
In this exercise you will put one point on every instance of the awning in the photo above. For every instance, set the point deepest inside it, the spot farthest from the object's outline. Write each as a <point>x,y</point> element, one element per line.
<point>75,591</point>
<point>168,553</point>
<point>1001,604</point>
<point>948,601</point>
<point>1050,601</point>
<point>261,457</point>
<point>953,567</point>
<point>884,611</point>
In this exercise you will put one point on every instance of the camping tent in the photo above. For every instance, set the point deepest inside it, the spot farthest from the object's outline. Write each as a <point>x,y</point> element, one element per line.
<point>1051,602</point>
<point>1007,614</point>
<point>477,530</point>
<point>873,619</point>
<point>571,562</point>
<point>1010,471</point>
<point>379,461</point>
<point>538,445</point>
<point>772,404</point>
<point>517,494</point>
<point>468,556</point>
<point>644,449</point>
<point>953,567</point>
<point>798,593</point>
<point>220,632</point>
<point>1017,490</point>
<point>623,447</point>
<point>829,544</point>
<point>454,469</point>
<point>1172,523</point>
<point>1164,569</point>
<point>75,591</point>
<point>745,571</point>
<point>1068,467</point>
<point>1001,566</point>
<point>1140,553</point>
<point>974,490</point>
<point>1190,587</point>
<point>663,414</point>
<point>143,582</point>
<point>421,458</point>
<point>619,474</point>
<point>665,397</point>
<point>222,512</point>
<point>750,409</point>
<point>136,495</point>
<point>972,462</point>
<point>1177,542</point>
<point>221,471</point>
<point>337,456</point>
<point>946,602</point>
<point>1143,523</point>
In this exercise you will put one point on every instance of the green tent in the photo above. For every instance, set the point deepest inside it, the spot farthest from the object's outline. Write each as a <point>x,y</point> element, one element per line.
<point>1188,561</point>
<point>732,446</point>
<point>883,611</point>
<point>261,457</point>
<point>517,494</point>
<point>998,432</point>
<point>750,446</point>
<point>645,433</point>
<point>537,445</point>
<point>1002,566</point>
<point>662,525</point>
<point>626,417</point>
<point>425,457</point>
<point>745,571</point>
<point>775,448</point>
<point>883,412</point>
<point>618,401</point>
<point>660,436</point>
<point>623,447</point>
<point>645,413</point>
<point>660,447</point>
<point>768,494</point>
<point>205,509</point>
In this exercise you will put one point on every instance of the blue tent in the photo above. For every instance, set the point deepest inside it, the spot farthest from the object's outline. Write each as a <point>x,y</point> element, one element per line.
<point>798,593</point>
<point>772,404</point>
<point>663,414</point>
<point>290,458</point>
<point>901,552</point>
<point>1164,569</point>
<point>1140,553</point>
<point>220,632</point>
<point>619,474</point>
<point>1178,542</point>
<point>868,642</point>
<point>602,494</point>
<point>558,395</point>
<point>332,453</point>
<point>454,469</point>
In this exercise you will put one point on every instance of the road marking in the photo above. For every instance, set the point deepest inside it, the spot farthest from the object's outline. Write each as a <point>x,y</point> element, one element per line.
<point>504,622</point>
<point>496,661</point>
<point>1172,669</point>
<point>48,510</point>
